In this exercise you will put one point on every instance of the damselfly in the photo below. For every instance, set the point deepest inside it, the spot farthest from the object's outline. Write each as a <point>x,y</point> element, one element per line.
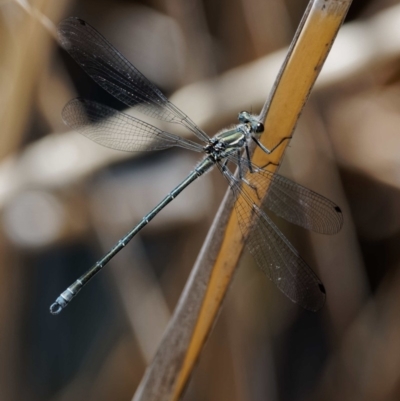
<point>272,251</point>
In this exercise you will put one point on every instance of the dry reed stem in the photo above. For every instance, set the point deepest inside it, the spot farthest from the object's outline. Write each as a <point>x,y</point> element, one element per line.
<point>170,370</point>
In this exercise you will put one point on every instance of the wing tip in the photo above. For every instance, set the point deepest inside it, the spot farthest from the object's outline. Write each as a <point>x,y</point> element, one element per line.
<point>65,30</point>
<point>321,299</point>
<point>314,298</point>
<point>339,219</point>
<point>69,20</point>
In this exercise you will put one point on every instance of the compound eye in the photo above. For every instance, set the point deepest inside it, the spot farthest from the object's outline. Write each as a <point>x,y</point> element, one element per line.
<point>260,127</point>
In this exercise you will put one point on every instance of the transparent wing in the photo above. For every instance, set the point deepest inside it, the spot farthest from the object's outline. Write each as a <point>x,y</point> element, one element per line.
<point>293,202</point>
<point>120,131</point>
<point>274,254</point>
<point>117,75</point>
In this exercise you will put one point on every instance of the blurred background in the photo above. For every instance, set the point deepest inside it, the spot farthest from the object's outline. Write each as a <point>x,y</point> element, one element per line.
<point>65,200</point>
